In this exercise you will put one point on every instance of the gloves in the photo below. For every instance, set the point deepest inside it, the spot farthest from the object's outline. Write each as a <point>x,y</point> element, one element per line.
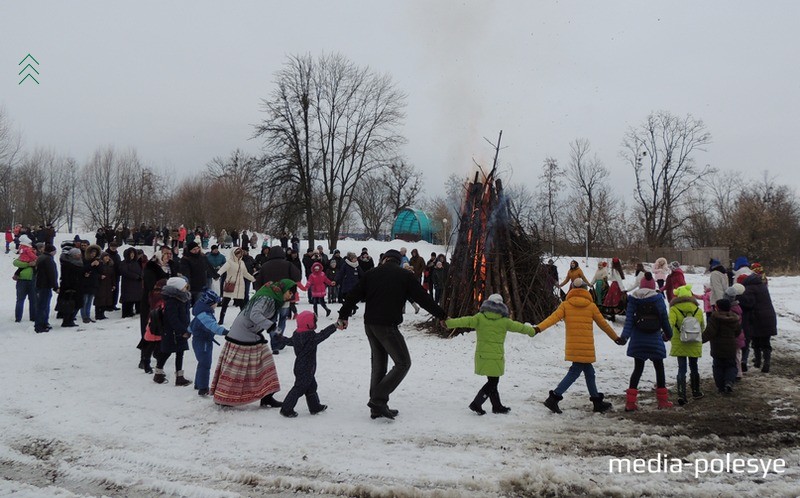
<point>621,341</point>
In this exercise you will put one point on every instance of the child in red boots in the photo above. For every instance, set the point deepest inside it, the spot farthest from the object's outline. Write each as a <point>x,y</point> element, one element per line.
<point>647,326</point>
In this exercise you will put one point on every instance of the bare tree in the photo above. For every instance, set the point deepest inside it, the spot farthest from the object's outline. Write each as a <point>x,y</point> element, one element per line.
<point>10,157</point>
<point>404,184</point>
<point>331,122</point>
<point>661,152</point>
<point>71,180</point>
<point>236,180</point>
<point>42,188</point>
<point>373,204</point>
<point>101,188</point>
<point>550,187</point>
<point>587,175</point>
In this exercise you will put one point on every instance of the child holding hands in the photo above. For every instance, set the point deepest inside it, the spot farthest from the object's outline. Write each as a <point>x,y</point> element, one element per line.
<point>579,313</point>
<point>491,325</point>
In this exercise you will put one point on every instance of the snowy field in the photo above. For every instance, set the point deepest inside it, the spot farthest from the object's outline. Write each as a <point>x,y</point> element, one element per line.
<point>79,418</point>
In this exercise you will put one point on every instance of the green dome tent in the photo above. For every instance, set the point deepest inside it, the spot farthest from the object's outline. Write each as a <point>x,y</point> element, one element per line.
<point>413,225</point>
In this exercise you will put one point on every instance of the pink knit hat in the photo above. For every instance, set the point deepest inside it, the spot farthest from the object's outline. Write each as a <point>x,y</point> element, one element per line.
<point>647,281</point>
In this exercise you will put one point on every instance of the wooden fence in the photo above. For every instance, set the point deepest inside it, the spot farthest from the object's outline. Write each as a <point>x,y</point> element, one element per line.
<point>692,257</point>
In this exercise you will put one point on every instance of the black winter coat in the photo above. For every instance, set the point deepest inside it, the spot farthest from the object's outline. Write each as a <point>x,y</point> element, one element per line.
<point>275,268</point>
<point>305,351</point>
<point>758,314</point>
<point>46,272</point>
<point>131,288</point>
<point>193,267</point>
<point>176,320</point>
<point>105,290</point>
<point>91,277</point>
<point>722,329</point>
<point>385,290</point>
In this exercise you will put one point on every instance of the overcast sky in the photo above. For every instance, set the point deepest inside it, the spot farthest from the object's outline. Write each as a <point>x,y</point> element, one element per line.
<point>181,81</point>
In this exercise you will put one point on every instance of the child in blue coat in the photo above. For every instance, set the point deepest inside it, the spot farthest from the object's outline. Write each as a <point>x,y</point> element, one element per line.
<point>203,328</point>
<point>305,341</point>
<point>647,326</point>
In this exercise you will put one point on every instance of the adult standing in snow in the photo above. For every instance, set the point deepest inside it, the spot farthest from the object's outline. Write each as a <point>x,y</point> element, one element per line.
<point>131,292</point>
<point>718,281</point>
<point>385,290</point>
<point>276,268</point>
<point>235,272</point>
<point>758,320</point>
<point>194,267</point>
<point>674,280</point>
<point>246,370</point>
<point>348,276</point>
<point>46,284</point>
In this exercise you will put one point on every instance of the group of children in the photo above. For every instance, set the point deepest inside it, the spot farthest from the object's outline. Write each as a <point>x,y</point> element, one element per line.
<point>169,328</point>
<point>649,324</point>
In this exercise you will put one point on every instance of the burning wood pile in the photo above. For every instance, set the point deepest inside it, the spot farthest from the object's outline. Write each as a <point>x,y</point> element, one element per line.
<point>494,255</point>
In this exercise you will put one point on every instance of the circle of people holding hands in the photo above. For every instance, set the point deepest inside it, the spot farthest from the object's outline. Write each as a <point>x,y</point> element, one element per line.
<point>177,301</point>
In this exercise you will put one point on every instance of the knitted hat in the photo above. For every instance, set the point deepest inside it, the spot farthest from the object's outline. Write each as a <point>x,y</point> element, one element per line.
<point>730,293</point>
<point>740,262</point>
<point>675,265</point>
<point>739,288</point>
<point>210,297</point>
<point>723,305</point>
<point>48,248</point>
<point>684,291</point>
<point>306,321</point>
<point>24,240</point>
<point>578,283</point>
<point>714,263</point>
<point>191,245</point>
<point>647,281</point>
<point>176,283</point>
<point>75,253</point>
<point>495,298</point>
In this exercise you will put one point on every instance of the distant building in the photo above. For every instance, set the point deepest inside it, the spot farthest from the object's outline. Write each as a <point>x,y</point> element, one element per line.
<point>413,225</point>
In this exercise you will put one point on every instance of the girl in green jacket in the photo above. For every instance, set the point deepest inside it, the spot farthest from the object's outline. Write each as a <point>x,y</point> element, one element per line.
<point>682,306</point>
<point>491,325</point>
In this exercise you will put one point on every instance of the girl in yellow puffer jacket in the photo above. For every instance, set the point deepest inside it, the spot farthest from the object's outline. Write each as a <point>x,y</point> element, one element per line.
<point>579,313</point>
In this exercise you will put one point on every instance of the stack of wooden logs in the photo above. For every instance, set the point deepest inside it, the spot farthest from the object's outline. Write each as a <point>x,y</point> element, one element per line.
<point>494,255</point>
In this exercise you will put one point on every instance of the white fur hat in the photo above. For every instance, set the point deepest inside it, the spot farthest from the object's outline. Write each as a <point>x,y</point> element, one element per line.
<point>24,240</point>
<point>495,298</point>
<point>579,283</point>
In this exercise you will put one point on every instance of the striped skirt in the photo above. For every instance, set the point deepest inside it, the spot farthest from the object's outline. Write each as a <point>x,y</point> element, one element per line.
<point>245,373</point>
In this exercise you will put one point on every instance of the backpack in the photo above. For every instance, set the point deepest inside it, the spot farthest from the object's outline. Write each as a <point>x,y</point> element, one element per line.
<point>647,318</point>
<point>156,324</point>
<point>690,328</point>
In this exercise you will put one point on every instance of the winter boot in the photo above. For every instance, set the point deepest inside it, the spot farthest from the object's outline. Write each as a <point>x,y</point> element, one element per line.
<point>378,410</point>
<point>630,400</point>
<point>552,402</point>
<point>202,392</point>
<point>288,413</point>
<point>681,387</point>
<point>373,413</point>
<point>314,406</point>
<point>180,380</point>
<point>270,402</point>
<point>159,377</point>
<point>497,406</point>
<point>477,403</point>
<point>767,359</point>
<point>662,396</point>
<point>757,357</point>
<point>600,406</point>
<point>695,380</point>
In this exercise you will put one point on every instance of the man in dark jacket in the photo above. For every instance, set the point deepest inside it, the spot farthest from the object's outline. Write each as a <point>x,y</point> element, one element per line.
<point>385,290</point>
<point>115,257</point>
<point>70,293</point>
<point>46,283</point>
<point>193,267</point>
<point>275,268</point>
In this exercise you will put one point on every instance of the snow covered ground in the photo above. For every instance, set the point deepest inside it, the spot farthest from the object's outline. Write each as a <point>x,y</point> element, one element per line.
<point>79,418</point>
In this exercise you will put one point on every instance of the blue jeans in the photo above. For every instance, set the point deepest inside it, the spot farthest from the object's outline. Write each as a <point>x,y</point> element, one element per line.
<point>682,366</point>
<point>724,372</point>
<point>86,310</point>
<point>572,375</point>
<point>203,352</point>
<point>25,289</point>
<point>43,297</point>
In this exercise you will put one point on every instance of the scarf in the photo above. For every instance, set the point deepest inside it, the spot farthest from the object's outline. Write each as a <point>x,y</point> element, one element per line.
<point>271,290</point>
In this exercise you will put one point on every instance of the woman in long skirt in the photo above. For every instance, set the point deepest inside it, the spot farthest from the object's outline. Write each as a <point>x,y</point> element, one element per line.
<point>246,371</point>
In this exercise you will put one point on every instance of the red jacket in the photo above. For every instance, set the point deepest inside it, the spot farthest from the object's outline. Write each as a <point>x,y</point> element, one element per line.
<point>9,236</point>
<point>317,281</point>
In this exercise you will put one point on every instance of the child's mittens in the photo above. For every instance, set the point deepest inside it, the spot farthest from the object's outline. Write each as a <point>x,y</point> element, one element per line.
<point>621,341</point>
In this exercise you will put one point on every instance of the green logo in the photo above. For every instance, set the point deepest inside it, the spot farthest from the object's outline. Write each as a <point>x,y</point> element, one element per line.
<point>28,74</point>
